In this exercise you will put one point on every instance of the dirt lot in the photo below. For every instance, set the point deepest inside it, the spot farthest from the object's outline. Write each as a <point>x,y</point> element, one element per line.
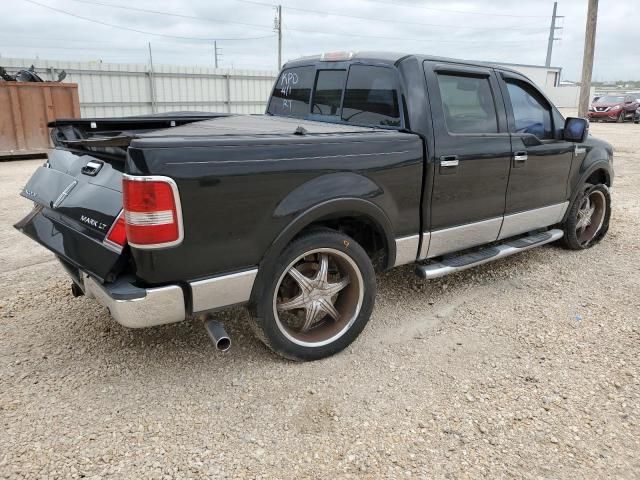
<point>526,368</point>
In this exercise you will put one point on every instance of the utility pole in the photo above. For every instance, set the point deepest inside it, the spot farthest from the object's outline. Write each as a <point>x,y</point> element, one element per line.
<point>278,28</point>
<point>552,33</point>
<point>587,59</point>
<point>215,52</point>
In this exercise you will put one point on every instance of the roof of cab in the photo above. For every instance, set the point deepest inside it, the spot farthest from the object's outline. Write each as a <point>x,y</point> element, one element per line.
<point>391,58</point>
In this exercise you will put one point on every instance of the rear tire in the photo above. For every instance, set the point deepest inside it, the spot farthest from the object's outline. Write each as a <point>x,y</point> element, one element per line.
<point>588,219</point>
<point>315,298</point>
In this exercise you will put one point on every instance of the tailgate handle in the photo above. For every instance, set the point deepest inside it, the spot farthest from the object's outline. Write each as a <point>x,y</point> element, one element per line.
<point>92,168</point>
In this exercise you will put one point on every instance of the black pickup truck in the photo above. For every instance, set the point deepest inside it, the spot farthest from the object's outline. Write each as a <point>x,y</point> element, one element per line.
<point>362,162</point>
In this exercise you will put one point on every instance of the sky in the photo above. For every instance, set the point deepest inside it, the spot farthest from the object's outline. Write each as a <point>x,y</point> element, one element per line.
<point>182,32</point>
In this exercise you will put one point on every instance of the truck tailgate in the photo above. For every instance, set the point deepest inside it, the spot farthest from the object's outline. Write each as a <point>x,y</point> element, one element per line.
<point>77,200</point>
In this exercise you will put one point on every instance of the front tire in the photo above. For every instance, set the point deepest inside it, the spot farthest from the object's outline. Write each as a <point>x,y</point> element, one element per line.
<point>588,219</point>
<point>316,297</point>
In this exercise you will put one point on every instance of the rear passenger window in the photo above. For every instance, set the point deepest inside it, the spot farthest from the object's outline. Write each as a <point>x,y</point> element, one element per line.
<point>371,97</point>
<point>531,112</point>
<point>292,92</point>
<point>328,92</point>
<point>468,104</point>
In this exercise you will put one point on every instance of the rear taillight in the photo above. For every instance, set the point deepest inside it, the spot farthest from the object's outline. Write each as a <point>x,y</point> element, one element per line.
<point>152,214</point>
<point>116,238</point>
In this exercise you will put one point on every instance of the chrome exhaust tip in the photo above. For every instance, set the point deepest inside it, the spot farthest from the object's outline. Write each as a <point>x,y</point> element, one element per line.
<point>218,334</point>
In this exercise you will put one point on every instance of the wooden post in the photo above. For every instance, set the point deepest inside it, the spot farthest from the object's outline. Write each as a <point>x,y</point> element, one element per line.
<point>587,60</point>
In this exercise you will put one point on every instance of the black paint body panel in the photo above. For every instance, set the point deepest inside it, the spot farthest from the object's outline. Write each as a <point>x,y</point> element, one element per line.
<point>50,230</point>
<point>475,189</point>
<point>74,225</point>
<point>238,193</point>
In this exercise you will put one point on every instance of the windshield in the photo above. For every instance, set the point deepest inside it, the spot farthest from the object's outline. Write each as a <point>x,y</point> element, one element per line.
<point>611,99</point>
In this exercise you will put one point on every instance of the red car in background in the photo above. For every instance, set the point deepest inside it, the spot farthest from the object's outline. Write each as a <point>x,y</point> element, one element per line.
<point>614,108</point>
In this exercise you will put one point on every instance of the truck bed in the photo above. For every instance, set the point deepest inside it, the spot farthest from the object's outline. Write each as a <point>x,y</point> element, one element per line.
<point>218,164</point>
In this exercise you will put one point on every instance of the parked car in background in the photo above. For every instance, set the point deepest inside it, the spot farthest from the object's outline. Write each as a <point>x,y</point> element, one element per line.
<point>613,108</point>
<point>362,162</point>
<point>636,117</point>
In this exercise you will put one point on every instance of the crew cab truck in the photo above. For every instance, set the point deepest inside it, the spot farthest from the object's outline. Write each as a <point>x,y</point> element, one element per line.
<point>361,163</point>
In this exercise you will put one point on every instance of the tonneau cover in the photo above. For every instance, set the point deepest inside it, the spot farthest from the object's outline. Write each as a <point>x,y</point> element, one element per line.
<point>254,125</point>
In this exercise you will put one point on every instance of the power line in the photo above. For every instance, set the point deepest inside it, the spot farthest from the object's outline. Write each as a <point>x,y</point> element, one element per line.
<point>172,14</point>
<point>180,37</point>
<point>304,30</point>
<point>430,40</point>
<point>304,10</point>
<point>457,11</point>
<point>420,24</point>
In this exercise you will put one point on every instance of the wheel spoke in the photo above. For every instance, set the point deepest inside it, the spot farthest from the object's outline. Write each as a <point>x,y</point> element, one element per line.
<point>332,289</point>
<point>328,307</point>
<point>323,269</point>
<point>313,315</point>
<point>305,283</point>
<point>296,302</point>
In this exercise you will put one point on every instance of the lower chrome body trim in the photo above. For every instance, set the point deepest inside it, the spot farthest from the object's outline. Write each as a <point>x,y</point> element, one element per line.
<point>461,237</point>
<point>522,222</point>
<point>222,291</point>
<point>406,249</point>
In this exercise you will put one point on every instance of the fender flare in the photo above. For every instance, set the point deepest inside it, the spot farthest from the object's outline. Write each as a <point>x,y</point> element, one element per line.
<point>603,165</point>
<point>333,208</point>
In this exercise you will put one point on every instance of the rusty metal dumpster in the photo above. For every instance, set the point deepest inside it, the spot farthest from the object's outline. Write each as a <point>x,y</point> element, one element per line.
<point>25,110</point>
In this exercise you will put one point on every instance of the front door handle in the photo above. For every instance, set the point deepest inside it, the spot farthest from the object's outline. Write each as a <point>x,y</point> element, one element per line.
<point>520,158</point>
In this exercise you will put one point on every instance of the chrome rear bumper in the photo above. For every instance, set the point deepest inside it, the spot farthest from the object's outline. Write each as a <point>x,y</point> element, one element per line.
<point>136,307</point>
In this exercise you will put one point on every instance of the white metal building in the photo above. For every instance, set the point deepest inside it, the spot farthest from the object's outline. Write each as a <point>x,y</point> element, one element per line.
<point>117,89</point>
<point>544,77</point>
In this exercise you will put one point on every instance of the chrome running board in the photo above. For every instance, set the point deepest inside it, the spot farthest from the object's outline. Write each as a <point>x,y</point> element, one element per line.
<point>457,263</point>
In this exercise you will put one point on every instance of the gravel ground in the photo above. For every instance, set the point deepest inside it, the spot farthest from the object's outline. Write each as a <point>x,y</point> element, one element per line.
<point>526,368</point>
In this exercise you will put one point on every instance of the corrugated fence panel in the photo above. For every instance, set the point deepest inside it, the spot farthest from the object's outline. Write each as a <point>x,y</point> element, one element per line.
<point>118,90</point>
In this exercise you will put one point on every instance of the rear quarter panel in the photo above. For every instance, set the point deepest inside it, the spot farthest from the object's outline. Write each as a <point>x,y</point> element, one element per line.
<point>239,193</point>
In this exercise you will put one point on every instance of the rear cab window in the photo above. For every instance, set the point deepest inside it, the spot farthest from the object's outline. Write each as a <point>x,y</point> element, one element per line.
<point>327,94</point>
<point>292,92</point>
<point>360,94</point>
<point>371,97</point>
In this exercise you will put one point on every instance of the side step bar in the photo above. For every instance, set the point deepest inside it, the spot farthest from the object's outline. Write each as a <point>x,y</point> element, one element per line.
<point>457,263</point>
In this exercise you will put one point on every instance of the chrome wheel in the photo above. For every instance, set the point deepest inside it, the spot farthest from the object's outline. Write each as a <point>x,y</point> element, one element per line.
<point>318,297</point>
<point>591,215</point>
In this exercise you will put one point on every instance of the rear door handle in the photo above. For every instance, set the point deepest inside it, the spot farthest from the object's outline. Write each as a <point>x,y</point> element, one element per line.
<point>520,158</point>
<point>448,164</point>
<point>449,161</point>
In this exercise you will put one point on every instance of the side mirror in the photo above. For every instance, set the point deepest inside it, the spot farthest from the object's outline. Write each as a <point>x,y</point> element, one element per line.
<point>576,129</point>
